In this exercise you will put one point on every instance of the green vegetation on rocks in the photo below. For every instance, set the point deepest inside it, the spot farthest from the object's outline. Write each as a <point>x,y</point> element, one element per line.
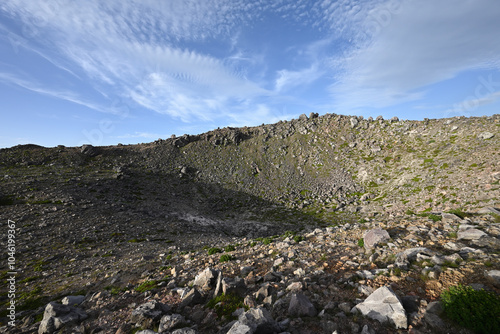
<point>477,310</point>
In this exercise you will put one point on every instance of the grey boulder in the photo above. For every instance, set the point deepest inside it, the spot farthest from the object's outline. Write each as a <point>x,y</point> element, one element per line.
<point>206,279</point>
<point>148,314</point>
<point>255,320</point>
<point>384,305</point>
<point>56,316</point>
<point>374,237</point>
<point>301,306</point>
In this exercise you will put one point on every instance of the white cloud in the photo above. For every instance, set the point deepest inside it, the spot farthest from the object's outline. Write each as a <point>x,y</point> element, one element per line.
<point>466,107</point>
<point>126,48</point>
<point>70,96</point>
<point>289,79</point>
<point>423,43</point>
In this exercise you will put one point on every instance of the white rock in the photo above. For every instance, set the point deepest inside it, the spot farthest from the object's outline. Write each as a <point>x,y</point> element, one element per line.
<point>384,305</point>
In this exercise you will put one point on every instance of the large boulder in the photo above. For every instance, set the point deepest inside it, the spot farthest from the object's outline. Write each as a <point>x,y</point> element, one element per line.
<point>193,297</point>
<point>301,306</point>
<point>470,234</point>
<point>206,279</point>
<point>148,314</point>
<point>172,321</point>
<point>255,320</point>
<point>404,258</point>
<point>57,316</point>
<point>73,300</point>
<point>385,306</point>
<point>89,150</point>
<point>234,286</point>
<point>374,237</point>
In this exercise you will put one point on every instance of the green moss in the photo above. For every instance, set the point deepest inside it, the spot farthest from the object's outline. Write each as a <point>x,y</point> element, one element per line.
<point>114,290</point>
<point>30,279</point>
<point>146,286</point>
<point>459,213</point>
<point>434,218</point>
<point>135,240</point>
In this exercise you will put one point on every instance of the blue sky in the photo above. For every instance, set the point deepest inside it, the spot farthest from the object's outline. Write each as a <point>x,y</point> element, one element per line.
<point>108,72</point>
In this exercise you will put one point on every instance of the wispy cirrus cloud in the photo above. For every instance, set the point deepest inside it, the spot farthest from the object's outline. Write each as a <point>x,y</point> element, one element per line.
<point>62,94</point>
<point>421,44</point>
<point>464,108</point>
<point>128,48</point>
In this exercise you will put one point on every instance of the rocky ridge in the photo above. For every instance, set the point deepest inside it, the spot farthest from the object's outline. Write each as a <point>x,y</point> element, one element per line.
<point>101,221</point>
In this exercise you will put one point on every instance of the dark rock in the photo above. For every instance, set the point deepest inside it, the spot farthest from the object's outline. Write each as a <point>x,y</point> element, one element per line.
<point>148,314</point>
<point>234,286</point>
<point>89,150</point>
<point>301,306</point>
<point>172,321</point>
<point>57,316</point>
<point>493,276</point>
<point>193,297</point>
<point>255,320</point>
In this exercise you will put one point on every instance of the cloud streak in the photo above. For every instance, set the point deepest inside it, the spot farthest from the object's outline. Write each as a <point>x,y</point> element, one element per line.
<point>424,43</point>
<point>66,95</point>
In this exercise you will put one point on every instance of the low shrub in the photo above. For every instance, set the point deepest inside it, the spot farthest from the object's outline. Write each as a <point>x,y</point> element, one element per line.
<point>435,218</point>
<point>214,250</point>
<point>225,258</point>
<point>298,238</point>
<point>225,305</point>
<point>475,310</point>
<point>229,248</point>
<point>361,242</point>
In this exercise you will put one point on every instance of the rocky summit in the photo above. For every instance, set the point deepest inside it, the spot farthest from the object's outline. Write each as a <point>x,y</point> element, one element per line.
<point>322,224</point>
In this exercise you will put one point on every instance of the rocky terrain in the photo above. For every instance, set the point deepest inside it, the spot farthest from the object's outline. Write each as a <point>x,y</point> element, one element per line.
<point>316,220</point>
